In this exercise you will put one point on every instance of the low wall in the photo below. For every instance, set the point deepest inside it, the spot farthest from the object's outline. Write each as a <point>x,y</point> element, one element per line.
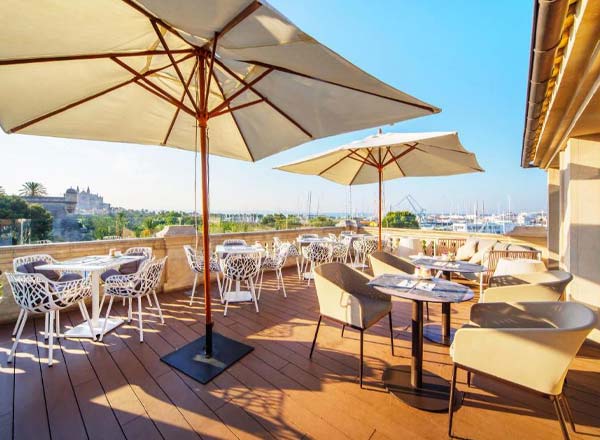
<point>177,274</point>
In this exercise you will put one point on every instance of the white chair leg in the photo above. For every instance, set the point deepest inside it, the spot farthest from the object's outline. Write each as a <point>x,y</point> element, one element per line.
<point>17,337</point>
<point>46,329</point>
<point>219,286</point>
<point>51,339</point>
<point>276,276</point>
<point>282,283</point>
<point>106,317</point>
<point>86,318</point>
<point>162,321</point>
<point>310,273</point>
<point>298,268</point>
<point>102,303</point>
<point>262,274</point>
<point>21,312</point>
<point>140,319</point>
<point>129,311</point>
<point>57,319</point>
<point>124,299</point>
<point>194,288</point>
<point>254,295</point>
<point>149,300</point>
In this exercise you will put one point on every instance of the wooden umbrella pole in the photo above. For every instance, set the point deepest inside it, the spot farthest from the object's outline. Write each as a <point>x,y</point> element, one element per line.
<point>202,123</point>
<point>380,171</point>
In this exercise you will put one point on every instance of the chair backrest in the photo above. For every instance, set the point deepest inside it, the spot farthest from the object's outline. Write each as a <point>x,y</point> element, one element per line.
<point>148,278</point>
<point>318,252</point>
<point>558,280</point>
<point>140,250</point>
<point>292,250</point>
<point>520,293</point>
<point>340,249</point>
<point>365,246</point>
<point>190,256</point>
<point>332,236</point>
<point>37,294</point>
<point>342,293</point>
<point>494,256</point>
<point>20,261</point>
<point>234,242</point>
<point>241,267</point>
<point>383,262</point>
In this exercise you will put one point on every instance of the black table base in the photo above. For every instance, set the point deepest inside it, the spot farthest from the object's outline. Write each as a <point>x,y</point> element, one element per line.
<point>435,333</point>
<point>191,360</point>
<point>433,395</point>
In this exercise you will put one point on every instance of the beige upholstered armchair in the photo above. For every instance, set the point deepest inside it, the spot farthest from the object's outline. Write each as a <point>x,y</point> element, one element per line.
<point>528,344</point>
<point>383,262</point>
<point>345,297</point>
<point>528,287</point>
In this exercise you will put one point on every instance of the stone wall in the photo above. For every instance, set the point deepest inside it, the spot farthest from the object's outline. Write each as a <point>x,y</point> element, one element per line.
<point>177,273</point>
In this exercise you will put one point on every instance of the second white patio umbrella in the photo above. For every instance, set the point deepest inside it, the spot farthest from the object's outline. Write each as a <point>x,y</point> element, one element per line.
<point>387,156</point>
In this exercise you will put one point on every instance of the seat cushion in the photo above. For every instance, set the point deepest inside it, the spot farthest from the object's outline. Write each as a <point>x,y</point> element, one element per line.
<point>109,273</point>
<point>25,268</point>
<point>483,247</point>
<point>50,274</point>
<point>133,266</point>
<point>467,250</point>
<point>69,277</point>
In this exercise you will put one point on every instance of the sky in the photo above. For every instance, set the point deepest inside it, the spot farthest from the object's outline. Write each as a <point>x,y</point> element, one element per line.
<point>468,57</point>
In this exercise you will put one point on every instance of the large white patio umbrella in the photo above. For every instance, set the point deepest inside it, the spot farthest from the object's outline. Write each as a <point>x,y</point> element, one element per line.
<point>158,72</point>
<point>387,156</point>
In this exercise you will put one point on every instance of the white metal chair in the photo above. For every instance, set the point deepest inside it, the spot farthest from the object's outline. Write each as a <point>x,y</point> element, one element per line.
<point>274,263</point>
<point>333,237</point>
<point>35,293</point>
<point>26,264</point>
<point>196,264</point>
<point>362,249</point>
<point>339,251</point>
<point>240,268</point>
<point>316,254</point>
<point>136,285</point>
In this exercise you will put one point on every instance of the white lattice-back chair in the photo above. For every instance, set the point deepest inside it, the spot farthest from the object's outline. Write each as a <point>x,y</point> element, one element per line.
<point>275,263</point>
<point>145,251</point>
<point>196,264</point>
<point>333,237</point>
<point>339,251</point>
<point>240,268</point>
<point>316,254</point>
<point>235,242</point>
<point>362,249</point>
<point>20,262</point>
<point>137,285</point>
<point>35,293</point>
<point>293,252</point>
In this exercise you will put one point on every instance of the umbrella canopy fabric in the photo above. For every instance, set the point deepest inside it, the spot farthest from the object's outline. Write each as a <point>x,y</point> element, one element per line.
<point>104,70</point>
<point>387,156</point>
<point>397,154</point>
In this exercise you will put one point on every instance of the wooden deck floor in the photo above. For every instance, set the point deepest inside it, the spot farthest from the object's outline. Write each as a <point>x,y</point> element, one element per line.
<point>120,388</point>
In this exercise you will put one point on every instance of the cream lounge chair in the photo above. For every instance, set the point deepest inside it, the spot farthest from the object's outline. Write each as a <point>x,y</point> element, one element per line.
<point>345,297</point>
<point>528,344</point>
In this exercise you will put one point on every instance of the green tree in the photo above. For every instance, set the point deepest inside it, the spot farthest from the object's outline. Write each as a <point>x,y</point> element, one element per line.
<point>120,222</point>
<point>321,220</point>
<point>41,222</point>
<point>400,219</point>
<point>2,191</point>
<point>33,189</point>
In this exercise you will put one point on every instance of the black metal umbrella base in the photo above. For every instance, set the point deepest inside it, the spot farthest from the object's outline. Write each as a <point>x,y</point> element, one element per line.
<point>191,360</point>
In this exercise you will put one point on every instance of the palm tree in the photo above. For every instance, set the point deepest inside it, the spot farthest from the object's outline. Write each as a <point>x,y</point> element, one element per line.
<point>32,189</point>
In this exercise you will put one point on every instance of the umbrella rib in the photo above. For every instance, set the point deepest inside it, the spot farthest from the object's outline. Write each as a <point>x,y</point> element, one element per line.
<point>405,152</point>
<point>235,121</point>
<point>164,142</point>
<point>237,107</point>
<point>87,98</point>
<point>246,86</point>
<point>170,28</point>
<point>293,72</point>
<point>364,159</point>
<point>91,56</point>
<point>246,12</point>
<point>267,101</point>
<point>175,66</point>
<point>159,92</point>
<point>335,163</point>
<point>357,173</point>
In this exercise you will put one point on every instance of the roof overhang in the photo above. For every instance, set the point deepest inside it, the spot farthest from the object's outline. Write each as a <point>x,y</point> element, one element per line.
<point>563,98</point>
